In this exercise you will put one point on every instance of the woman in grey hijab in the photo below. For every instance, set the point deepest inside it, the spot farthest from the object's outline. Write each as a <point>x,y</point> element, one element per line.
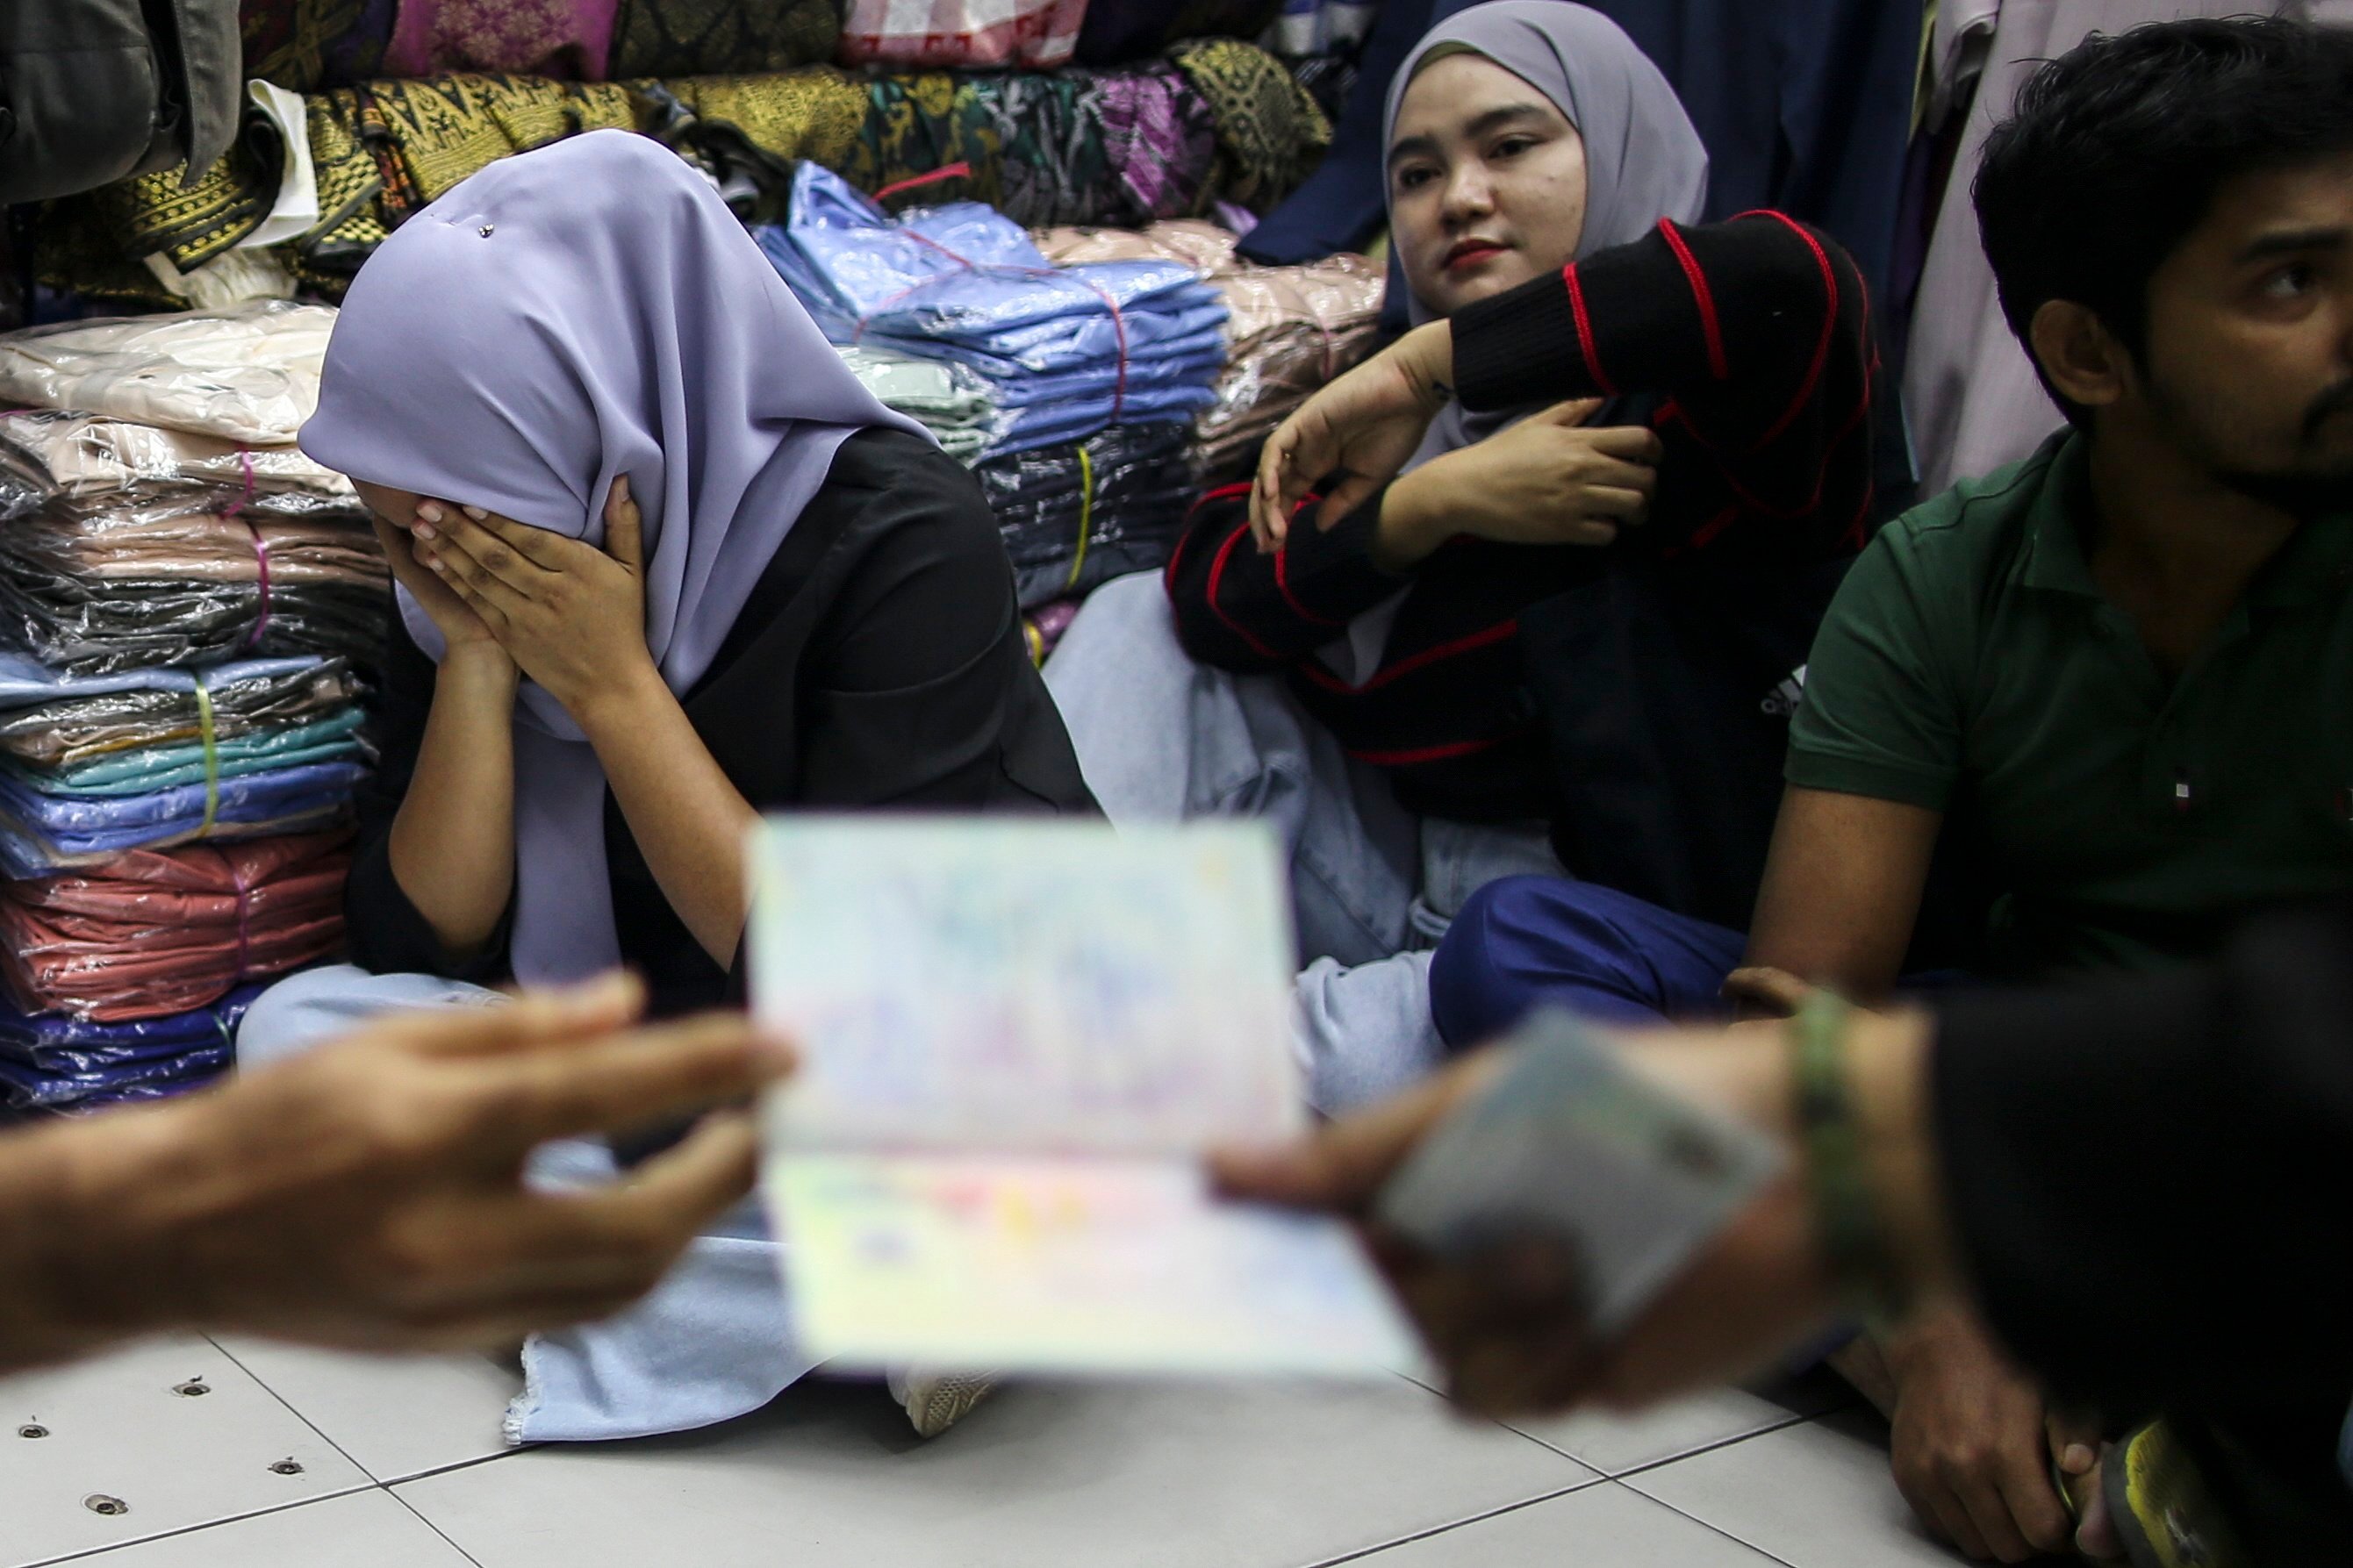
<point>1373,685</point>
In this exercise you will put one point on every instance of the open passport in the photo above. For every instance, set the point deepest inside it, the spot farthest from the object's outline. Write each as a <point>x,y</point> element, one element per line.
<point>1017,1039</point>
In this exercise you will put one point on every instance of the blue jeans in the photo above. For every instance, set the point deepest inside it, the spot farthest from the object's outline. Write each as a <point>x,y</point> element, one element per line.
<point>1527,941</point>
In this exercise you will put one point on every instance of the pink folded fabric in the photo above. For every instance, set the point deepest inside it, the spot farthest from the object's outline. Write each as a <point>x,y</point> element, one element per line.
<point>570,40</point>
<point>155,932</point>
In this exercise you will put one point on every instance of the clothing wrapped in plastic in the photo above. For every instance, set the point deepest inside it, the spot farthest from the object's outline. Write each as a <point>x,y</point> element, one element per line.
<point>46,453</point>
<point>70,1064</point>
<point>1065,351</point>
<point>1289,329</point>
<point>155,933</point>
<point>330,738</point>
<point>55,721</point>
<point>1075,516</point>
<point>190,576</point>
<point>950,400</point>
<point>248,374</point>
<point>974,34</point>
<point>41,832</point>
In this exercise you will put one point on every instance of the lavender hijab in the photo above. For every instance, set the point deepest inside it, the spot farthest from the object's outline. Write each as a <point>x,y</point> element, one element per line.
<point>561,318</point>
<point>1643,160</point>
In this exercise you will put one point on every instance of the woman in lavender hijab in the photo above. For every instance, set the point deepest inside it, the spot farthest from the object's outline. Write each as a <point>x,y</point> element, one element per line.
<point>663,564</point>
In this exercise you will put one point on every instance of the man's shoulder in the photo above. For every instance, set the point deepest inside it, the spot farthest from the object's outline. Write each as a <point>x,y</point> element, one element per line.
<point>1976,533</point>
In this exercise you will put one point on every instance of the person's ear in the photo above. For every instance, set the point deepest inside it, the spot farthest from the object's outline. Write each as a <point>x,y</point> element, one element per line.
<point>2084,360</point>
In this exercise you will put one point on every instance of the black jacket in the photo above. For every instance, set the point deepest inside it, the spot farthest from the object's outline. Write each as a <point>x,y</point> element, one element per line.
<point>93,92</point>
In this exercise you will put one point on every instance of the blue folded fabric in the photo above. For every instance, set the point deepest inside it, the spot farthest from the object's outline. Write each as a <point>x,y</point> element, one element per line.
<point>42,833</point>
<point>1124,341</point>
<point>26,682</point>
<point>53,1063</point>
<point>145,769</point>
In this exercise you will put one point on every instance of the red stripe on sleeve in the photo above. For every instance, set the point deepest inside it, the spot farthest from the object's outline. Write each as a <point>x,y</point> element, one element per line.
<point>1217,576</point>
<point>1408,758</point>
<point>1716,363</point>
<point>1282,584</point>
<point>1585,330</point>
<point>1502,631</point>
<point>1822,346</point>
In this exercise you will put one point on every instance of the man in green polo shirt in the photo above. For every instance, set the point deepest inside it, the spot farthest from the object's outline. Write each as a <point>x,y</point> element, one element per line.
<point>2113,684</point>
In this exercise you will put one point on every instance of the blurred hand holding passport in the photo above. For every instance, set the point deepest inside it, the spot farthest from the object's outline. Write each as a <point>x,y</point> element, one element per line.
<point>1017,1039</point>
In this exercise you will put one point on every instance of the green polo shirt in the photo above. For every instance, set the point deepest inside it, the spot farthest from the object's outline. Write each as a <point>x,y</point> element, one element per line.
<point>2116,819</point>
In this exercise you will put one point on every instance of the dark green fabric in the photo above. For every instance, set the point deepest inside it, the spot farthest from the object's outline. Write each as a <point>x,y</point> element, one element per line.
<point>1969,665</point>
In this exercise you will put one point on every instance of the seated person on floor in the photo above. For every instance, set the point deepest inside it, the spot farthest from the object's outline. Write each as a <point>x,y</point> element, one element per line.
<point>2116,676</point>
<point>663,564</point>
<point>1652,414</point>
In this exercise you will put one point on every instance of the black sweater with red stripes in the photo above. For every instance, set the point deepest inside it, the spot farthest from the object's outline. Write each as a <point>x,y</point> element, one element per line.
<point>1746,343</point>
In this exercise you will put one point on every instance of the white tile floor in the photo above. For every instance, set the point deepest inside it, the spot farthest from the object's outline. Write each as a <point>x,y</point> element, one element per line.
<point>399,1463</point>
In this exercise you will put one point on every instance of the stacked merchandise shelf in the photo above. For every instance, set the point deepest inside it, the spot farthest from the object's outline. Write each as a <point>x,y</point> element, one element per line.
<point>185,600</point>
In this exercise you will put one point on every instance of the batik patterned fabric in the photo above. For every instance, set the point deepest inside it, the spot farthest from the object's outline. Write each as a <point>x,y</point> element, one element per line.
<point>193,223</point>
<point>306,45</point>
<point>1270,134</point>
<point>719,38</point>
<point>1032,35</point>
<point>569,40</point>
<point>816,114</point>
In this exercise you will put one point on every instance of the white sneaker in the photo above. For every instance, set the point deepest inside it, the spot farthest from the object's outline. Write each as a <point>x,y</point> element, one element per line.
<point>935,1401</point>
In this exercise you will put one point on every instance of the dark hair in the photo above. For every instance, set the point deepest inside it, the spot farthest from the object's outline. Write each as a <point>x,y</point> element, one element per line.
<point>2117,149</point>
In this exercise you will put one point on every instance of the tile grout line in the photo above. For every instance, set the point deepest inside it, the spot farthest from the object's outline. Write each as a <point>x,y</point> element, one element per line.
<point>1646,1466</point>
<point>348,1456</point>
<point>208,1525</point>
<point>1706,1524</point>
<point>433,1527</point>
<point>1407,1539</point>
<point>431,1471</point>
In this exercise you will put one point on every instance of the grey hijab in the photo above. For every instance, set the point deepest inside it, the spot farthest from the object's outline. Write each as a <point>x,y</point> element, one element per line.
<point>1644,161</point>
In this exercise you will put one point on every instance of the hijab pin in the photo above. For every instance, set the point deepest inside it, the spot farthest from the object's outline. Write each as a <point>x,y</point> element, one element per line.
<point>486,230</point>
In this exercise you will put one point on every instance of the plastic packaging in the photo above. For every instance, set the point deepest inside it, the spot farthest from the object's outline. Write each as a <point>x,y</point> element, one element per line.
<point>71,1065</point>
<point>249,374</point>
<point>157,933</point>
<point>72,453</point>
<point>1289,329</point>
<point>53,721</point>
<point>42,833</point>
<point>1078,515</point>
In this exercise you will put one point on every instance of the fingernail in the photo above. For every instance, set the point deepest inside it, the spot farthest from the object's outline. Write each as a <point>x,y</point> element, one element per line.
<point>427,512</point>
<point>434,563</point>
<point>477,513</point>
<point>2078,1459</point>
<point>425,530</point>
<point>775,1049</point>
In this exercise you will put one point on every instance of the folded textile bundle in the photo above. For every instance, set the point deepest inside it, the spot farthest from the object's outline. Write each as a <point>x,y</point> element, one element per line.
<point>950,400</point>
<point>569,40</point>
<point>42,832</point>
<point>1064,350</point>
<point>248,374</point>
<point>1037,34</point>
<point>155,932</point>
<point>58,722</point>
<point>47,452</point>
<point>310,44</point>
<point>71,1064</point>
<point>1078,515</point>
<point>1289,331</point>
<point>709,37</point>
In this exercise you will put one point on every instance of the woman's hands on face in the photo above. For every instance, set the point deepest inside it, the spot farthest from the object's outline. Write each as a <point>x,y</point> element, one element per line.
<point>572,616</point>
<point>459,627</point>
<point>1549,479</point>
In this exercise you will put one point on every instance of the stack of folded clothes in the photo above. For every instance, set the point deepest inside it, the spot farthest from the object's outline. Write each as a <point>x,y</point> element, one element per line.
<point>947,399</point>
<point>1064,350</point>
<point>1289,331</point>
<point>69,1064</point>
<point>1076,516</point>
<point>186,602</point>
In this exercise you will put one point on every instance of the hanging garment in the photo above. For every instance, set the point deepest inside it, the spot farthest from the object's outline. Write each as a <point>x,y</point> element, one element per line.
<point>306,45</point>
<point>1066,351</point>
<point>569,40</point>
<point>715,37</point>
<point>97,90</point>
<point>1075,516</point>
<point>250,375</point>
<point>1118,31</point>
<point>155,932</point>
<point>1289,329</point>
<point>1029,35</point>
<point>1973,398</point>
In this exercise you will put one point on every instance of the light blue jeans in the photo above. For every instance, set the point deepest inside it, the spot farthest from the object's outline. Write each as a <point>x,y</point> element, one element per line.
<point>1162,739</point>
<point>714,1339</point>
